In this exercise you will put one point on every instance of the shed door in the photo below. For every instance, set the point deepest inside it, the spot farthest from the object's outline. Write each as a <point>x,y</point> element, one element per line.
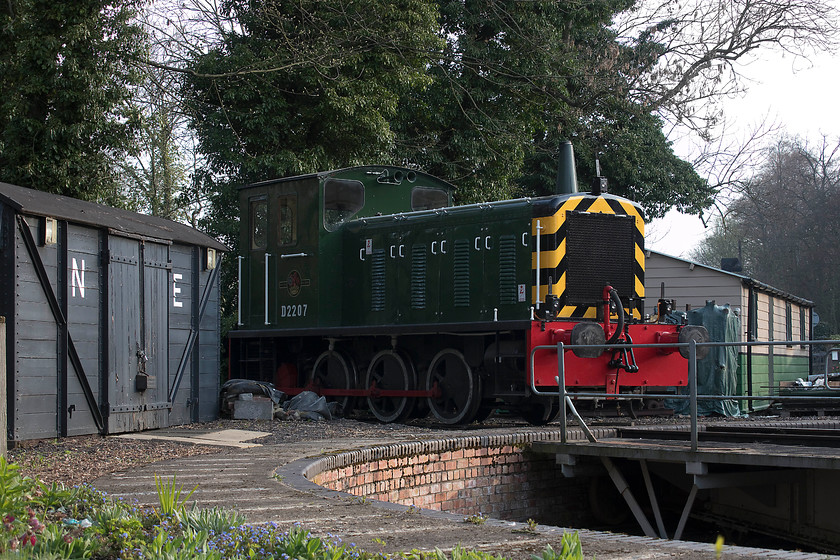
<point>138,299</point>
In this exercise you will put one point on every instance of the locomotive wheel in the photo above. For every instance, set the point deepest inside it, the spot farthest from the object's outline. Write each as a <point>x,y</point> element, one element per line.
<point>539,411</point>
<point>334,371</point>
<point>388,370</point>
<point>555,410</point>
<point>459,387</point>
<point>485,410</point>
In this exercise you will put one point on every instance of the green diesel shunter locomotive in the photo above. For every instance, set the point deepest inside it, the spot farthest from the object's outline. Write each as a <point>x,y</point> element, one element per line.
<point>366,285</point>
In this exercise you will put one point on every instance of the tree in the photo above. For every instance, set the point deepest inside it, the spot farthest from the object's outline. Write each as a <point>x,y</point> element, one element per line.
<point>66,71</point>
<point>786,220</point>
<point>306,86</point>
<point>698,45</point>
<point>517,78</point>
<point>158,174</point>
<point>507,80</point>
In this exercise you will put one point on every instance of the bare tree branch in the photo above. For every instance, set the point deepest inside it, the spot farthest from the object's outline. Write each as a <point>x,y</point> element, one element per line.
<point>703,43</point>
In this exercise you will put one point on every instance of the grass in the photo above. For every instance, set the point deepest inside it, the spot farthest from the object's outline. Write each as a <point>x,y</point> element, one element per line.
<point>170,497</point>
<point>476,518</point>
<point>48,522</point>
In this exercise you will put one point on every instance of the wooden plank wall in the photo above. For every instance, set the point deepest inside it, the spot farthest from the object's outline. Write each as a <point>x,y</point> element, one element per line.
<point>689,285</point>
<point>3,395</point>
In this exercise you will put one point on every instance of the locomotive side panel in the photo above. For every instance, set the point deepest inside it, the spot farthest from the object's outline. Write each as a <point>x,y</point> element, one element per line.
<point>466,265</point>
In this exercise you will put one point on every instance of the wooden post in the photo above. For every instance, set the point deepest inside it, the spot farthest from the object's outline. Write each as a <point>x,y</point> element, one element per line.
<point>3,435</point>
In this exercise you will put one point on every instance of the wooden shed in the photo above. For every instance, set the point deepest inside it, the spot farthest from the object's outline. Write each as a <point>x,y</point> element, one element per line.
<point>767,313</point>
<point>112,318</point>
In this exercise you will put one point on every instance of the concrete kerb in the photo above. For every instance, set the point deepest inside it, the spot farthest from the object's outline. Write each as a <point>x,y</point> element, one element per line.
<point>297,475</point>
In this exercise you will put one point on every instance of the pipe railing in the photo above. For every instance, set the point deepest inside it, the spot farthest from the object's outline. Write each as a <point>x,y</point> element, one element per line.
<point>692,396</point>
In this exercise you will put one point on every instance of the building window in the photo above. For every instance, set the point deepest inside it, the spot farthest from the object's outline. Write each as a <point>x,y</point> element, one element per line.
<point>287,220</point>
<point>803,333</point>
<point>753,318</point>
<point>770,312</point>
<point>788,322</point>
<point>259,223</point>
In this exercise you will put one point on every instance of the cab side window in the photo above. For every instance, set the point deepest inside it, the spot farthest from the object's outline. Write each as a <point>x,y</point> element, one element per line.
<point>342,200</point>
<point>258,215</point>
<point>287,220</point>
<point>428,198</point>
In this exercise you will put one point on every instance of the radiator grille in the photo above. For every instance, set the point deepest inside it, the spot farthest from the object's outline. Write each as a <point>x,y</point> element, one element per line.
<point>600,250</point>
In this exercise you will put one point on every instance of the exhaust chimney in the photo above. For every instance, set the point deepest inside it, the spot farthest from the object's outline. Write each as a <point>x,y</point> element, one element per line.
<point>566,176</point>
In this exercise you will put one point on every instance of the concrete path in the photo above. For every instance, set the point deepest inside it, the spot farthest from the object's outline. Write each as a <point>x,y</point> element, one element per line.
<point>240,439</point>
<point>265,484</point>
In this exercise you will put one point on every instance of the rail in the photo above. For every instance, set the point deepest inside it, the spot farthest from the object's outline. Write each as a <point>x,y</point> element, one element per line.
<point>693,397</point>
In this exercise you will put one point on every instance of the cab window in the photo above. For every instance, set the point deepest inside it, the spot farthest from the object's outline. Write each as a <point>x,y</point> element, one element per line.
<point>258,213</point>
<point>428,198</point>
<point>342,200</point>
<point>287,220</point>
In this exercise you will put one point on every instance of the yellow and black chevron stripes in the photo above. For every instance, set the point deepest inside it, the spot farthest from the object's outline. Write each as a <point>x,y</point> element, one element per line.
<point>625,242</point>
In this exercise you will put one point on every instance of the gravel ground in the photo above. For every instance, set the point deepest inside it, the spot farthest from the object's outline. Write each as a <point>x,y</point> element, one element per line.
<point>81,459</point>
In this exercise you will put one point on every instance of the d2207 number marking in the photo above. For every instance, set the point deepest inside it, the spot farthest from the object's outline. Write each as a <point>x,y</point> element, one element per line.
<point>298,310</point>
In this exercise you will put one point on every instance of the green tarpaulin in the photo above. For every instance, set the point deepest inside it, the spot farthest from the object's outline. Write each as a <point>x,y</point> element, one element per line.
<point>715,372</point>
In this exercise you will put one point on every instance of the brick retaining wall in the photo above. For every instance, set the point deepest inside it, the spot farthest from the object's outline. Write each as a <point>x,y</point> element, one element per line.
<point>494,475</point>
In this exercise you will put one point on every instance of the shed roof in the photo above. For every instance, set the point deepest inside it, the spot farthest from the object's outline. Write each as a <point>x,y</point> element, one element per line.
<point>745,280</point>
<point>39,203</point>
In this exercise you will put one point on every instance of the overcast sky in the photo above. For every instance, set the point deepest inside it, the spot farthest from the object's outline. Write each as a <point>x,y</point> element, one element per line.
<point>800,96</point>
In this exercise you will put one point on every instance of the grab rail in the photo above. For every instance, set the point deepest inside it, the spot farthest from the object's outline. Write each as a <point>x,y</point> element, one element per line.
<point>565,399</point>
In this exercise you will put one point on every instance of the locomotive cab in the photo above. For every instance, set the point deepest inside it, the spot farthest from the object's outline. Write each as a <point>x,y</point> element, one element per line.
<point>291,238</point>
<point>278,272</point>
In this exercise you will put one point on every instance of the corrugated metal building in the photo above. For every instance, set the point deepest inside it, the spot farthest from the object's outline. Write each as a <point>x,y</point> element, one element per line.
<point>112,316</point>
<point>767,313</point>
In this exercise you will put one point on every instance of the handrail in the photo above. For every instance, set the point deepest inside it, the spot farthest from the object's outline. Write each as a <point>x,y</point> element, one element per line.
<point>239,290</point>
<point>539,298</point>
<point>825,374</point>
<point>565,399</point>
<point>267,255</point>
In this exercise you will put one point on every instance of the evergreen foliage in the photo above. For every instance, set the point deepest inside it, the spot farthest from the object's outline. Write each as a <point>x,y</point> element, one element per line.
<point>65,75</point>
<point>517,78</point>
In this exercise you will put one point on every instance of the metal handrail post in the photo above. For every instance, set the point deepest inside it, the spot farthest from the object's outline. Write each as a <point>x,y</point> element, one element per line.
<point>561,389</point>
<point>267,255</point>
<point>539,298</point>
<point>827,362</point>
<point>692,390</point>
